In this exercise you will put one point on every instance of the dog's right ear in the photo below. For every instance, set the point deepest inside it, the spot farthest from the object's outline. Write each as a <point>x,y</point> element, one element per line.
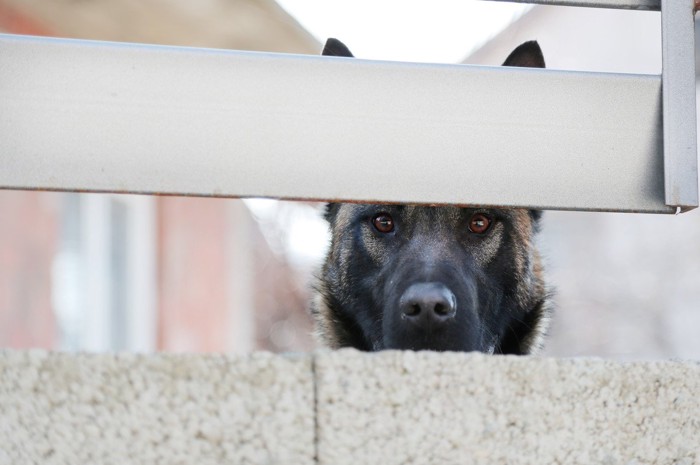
<point>336,48</point>
<point>527,55</point>
<point>331,211</point>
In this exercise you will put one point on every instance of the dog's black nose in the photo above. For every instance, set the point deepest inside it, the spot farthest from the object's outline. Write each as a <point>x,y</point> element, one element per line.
<point>427,304</point>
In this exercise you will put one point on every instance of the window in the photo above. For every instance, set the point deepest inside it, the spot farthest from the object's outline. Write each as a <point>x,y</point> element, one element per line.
<point>104,288</point>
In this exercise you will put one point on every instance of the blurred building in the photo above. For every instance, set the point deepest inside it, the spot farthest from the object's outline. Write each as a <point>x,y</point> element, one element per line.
<point>118,272</point>
<point>125,272</point>
<point>628,285</point>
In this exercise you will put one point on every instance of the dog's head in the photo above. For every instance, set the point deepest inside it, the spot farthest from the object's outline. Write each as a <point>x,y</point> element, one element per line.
<point>436,278</point>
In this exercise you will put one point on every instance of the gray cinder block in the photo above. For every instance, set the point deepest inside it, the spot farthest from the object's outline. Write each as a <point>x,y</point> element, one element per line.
<point>345,407</point>
<point>165,409</point>
<point>428,408</point>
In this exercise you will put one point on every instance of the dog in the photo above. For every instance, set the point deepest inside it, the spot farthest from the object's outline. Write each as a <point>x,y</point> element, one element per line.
<point>440,278</point>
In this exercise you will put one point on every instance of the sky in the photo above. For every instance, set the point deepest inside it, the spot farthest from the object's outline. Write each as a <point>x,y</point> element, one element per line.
<point>437,31</point>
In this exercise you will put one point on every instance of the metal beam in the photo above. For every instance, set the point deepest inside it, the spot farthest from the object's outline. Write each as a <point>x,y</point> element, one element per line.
<point>95,116</point>
<point>650,5</point>
<point>679,112</point>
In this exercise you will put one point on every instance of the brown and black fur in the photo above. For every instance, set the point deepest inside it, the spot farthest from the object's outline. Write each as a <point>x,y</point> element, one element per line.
<point>482,291</point>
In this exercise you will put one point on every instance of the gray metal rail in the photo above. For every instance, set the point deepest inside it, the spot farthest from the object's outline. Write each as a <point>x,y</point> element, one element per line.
<point>108,117</point>
<point>651,5</point>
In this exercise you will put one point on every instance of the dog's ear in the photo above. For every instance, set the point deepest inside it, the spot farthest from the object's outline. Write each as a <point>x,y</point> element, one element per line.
<point>527,55</point>
<point>331,211</point>
<point>536,215</point>
<point>336,48</point>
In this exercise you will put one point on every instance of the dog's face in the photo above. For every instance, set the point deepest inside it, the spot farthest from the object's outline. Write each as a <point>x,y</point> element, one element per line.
<point>427,277</point>
<point>439,278</point>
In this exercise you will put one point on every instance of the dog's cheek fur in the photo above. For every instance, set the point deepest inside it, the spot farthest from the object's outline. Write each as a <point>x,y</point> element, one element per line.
<point>334,328</point>
<point>345,316</point>
<point>529,298</point>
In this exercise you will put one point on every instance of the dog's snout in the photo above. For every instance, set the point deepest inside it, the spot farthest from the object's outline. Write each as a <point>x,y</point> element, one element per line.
<point>427,304</point>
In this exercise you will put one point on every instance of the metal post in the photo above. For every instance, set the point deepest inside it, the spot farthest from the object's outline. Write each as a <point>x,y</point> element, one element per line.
<point>679,112</point>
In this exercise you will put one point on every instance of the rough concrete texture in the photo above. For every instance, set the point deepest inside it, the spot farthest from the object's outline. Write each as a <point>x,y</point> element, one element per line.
<point>428,408</point>
<point>157,409</point>
<point>345,407</point>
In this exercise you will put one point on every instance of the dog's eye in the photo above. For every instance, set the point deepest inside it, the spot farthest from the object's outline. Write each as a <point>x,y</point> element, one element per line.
<point>479,223</point>
<point>383,222</point>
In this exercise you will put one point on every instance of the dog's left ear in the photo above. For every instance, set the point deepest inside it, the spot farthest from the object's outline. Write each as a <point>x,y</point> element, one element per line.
<point>527,55</point>
<point>336,48</point>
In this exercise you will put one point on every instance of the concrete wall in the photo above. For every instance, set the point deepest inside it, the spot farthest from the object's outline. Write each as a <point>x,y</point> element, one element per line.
<point>345,407</point>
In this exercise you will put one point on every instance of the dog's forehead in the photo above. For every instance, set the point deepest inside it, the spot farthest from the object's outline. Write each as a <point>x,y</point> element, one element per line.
<point>443,215</point>
<point>408,213</point>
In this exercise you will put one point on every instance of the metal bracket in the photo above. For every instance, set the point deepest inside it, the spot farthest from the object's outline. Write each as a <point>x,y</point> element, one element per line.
<point>679,111</point>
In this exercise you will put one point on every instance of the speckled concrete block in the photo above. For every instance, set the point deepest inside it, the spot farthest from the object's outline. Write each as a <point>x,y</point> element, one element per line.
<point>348,407</point>
<point>427,408</point>
<point>156,409</point>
